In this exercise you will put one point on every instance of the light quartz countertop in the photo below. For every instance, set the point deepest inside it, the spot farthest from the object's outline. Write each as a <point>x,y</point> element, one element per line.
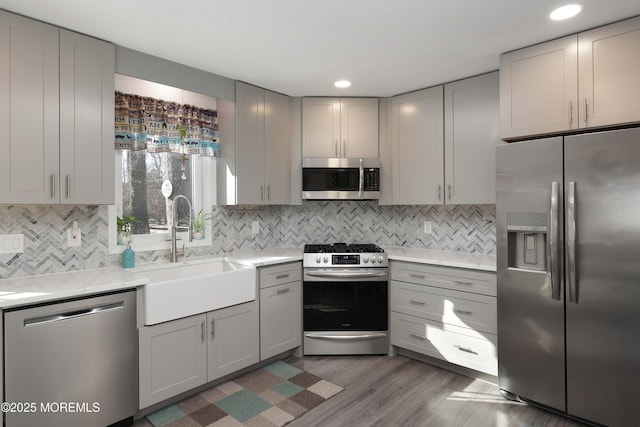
<point>447,259</point>
<point>28,290</point>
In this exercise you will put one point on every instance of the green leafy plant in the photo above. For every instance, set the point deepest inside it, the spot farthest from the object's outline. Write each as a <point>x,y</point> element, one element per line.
<point>201,219</point>
<point>125,221</point>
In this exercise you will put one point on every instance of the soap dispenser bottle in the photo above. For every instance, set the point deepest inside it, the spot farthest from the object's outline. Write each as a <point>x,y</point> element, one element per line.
<point>128,257</point>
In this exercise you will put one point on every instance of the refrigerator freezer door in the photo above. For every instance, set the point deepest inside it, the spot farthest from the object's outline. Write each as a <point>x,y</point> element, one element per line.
<point>603,349</point>
<point>531,360</point>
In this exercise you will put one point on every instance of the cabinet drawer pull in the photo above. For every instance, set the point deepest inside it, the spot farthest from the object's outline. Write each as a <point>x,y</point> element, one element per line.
<point>417,276</point>
<point>417,302</point>
<point>463,282</point>
<point>463,311</point>
<point>420,337</point>
<point>465,349</point>
<point>282,276</point>
<point>283,291</point>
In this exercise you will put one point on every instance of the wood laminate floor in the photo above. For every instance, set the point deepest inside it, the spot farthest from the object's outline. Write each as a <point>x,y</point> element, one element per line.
<point>398,391</point>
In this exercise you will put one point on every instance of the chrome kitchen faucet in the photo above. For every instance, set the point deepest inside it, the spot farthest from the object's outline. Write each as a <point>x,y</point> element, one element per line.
<point>175,227</point>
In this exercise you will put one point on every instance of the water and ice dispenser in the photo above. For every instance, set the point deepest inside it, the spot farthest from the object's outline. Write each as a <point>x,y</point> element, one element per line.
<point>527,240</point>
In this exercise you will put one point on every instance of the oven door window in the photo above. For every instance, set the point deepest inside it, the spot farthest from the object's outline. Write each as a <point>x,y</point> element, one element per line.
<point>345,306</point>
<point>330,179</point>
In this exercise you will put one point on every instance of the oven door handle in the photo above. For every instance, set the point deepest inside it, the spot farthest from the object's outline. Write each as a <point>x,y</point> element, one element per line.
<point>347,274</point>
<point>329,336</point>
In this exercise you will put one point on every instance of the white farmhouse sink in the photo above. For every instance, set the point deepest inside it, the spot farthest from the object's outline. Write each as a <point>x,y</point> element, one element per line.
<point>185,290</point>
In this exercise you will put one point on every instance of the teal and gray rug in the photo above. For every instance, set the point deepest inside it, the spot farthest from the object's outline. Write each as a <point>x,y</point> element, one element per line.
<point>271,396</point>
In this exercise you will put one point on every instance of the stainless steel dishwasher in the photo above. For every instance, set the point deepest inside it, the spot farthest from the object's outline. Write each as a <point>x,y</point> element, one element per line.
<point>72,363</point>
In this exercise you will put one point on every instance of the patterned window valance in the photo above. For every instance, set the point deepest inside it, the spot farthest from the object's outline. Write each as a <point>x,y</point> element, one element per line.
<point>152,124</point>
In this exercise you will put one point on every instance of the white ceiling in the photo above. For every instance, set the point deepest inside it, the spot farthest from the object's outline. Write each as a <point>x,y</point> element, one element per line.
<point>300,48</point>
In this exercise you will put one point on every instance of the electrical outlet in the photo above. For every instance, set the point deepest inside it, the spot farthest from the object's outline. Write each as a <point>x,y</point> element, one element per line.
<point>255,227</point>
<point>427,227</point>
<point>74,235</point>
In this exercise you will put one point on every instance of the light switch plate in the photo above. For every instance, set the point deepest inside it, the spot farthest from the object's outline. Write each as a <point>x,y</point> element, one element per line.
<point>427,227</point>
<point>11,243</point>
<point>255,227</point>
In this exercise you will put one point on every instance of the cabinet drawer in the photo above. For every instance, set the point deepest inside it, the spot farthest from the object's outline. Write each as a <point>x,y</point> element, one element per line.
<point>280,274</point>
<point>457,279</point>
<point>461,346</point>
<point>456,308</point>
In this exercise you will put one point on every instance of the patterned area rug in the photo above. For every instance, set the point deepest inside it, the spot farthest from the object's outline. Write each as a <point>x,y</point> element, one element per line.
<point>274,395</point>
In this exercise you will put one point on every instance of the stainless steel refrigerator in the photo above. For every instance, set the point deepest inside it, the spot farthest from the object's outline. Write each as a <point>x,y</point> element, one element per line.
<point>568,237</point>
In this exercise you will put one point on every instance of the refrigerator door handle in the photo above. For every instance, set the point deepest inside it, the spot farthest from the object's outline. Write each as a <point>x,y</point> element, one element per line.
<point>571,243</point>
<point>553,242</point>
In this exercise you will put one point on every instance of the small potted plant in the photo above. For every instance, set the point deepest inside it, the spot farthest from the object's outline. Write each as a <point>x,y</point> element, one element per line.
<point>199,223</point>
<point>124,228</point>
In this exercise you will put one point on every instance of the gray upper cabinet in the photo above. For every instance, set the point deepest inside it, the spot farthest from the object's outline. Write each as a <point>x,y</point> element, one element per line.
<point>609,70</point>
<point>417,151</point>
<point>29,111</point>
<point>56,115</point>
<point>471,133</point>
<point>86,120</point>
<point>581,81</point>
<point>263,145</point>
<point>539,89</point>
<point>340,127</point>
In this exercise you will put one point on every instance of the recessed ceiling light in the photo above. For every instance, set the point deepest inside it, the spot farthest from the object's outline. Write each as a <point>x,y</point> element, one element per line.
<point>342,83</point>
<point>565,12</point>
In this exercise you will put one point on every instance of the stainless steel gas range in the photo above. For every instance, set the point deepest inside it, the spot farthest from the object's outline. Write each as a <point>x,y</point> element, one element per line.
<point>346,299</point>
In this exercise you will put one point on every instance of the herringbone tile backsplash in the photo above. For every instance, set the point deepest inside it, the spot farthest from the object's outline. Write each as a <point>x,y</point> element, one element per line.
<point>459,228</point>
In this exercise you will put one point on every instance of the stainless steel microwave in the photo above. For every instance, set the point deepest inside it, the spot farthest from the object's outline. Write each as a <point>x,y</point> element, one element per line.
<point>340,179</point>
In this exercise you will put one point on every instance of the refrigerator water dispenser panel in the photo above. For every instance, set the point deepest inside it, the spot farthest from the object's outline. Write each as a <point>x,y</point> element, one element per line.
<point>527,240</point>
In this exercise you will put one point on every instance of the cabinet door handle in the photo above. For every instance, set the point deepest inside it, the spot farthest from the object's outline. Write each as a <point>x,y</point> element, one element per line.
<point>283,291</point>
<point>344,148</point>
<point>283,276</point>
<point>202,331</point>
<point>439,192</point>
<point>586,116</point>
<point>417,302</point>
<point>417,276</point>
<point>450,192</point>
<point>213,328</point>
<point>262,192</point>
<point>68,186</point>
<point>570,113</point>
<point>417,336</point>
<point>269,192</point>
<point>337,142</point>
<point>465,349</point>
<point>462,310</point>
<point>53,185</point>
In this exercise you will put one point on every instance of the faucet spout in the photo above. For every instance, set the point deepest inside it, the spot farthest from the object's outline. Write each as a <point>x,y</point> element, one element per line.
<point>174,228</point>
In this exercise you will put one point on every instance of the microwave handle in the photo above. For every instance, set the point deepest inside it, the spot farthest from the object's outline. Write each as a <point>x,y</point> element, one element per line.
<point>361,185</point>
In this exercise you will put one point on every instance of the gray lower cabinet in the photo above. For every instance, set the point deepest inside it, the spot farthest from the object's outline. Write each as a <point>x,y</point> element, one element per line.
<point>446,313</point>
<point>182,354</point>
<point>280,309</point>
<point>233,337</point>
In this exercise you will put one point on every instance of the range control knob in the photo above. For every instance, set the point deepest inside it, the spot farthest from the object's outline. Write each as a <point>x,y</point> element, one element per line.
<point>365,259</point>
<point>380,259</point>
<point>325,259</point>
<point>318,259</point>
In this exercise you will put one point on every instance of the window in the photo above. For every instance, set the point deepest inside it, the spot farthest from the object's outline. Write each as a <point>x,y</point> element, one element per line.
<point>139,176</point>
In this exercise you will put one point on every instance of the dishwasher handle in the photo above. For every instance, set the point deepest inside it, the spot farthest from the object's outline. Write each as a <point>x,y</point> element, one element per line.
<point>73,314</point>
